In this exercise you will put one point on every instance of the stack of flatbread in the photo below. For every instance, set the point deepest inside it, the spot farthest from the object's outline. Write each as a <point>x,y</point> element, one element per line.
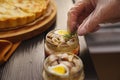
<point>16,13</point>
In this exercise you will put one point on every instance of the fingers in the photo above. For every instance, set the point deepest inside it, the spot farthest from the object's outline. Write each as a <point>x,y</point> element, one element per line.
<point>73,16</point>
<point>90,24</point>
<point>105,10</point>
<point>86,16</point>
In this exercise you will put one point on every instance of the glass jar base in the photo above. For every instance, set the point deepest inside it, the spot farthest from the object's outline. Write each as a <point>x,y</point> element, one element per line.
<point>82,76</point>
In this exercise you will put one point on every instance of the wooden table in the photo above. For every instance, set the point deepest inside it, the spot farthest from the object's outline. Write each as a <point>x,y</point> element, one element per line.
<point>26,63</point>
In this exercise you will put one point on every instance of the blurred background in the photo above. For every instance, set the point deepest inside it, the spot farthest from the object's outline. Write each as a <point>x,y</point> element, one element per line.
<point>104,47</point>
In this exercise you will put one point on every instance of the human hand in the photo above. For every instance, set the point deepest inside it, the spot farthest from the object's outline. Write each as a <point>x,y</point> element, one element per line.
<point>86,15</point>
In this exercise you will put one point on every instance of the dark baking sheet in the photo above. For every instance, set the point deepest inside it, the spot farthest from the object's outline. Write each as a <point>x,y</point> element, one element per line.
<point>105,40</point>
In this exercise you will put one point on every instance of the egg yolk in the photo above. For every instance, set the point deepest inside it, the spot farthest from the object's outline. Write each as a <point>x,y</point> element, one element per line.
<point>62,32</point>
<point>59,70</point>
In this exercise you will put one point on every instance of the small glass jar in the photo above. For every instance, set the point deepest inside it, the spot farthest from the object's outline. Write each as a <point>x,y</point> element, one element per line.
<point>63,67</point>
<point>58,41</point>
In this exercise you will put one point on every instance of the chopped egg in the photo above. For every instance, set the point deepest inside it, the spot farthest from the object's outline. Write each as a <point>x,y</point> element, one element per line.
<point>62,32</point>
<point>60,69</point>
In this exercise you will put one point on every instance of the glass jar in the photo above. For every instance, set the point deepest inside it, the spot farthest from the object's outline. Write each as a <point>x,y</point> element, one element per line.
<point>58,41</point>
<point>63,67</point>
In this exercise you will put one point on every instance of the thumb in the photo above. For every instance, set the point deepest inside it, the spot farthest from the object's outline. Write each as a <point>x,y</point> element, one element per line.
<point>90,24</point>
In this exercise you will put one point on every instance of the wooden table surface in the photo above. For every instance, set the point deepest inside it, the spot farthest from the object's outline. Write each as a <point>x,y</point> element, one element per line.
<point>26,63</point>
